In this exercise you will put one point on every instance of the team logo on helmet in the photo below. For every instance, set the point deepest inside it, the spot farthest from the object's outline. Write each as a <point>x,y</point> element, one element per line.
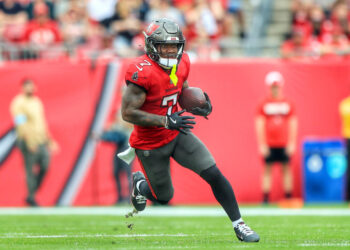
<point>151,28</point>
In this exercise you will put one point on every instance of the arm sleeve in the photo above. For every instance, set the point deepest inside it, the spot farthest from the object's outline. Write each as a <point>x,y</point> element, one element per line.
<point>138,77</point>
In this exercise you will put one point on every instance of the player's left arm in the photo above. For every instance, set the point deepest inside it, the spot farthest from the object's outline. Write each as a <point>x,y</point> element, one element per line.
<point>201,111</point>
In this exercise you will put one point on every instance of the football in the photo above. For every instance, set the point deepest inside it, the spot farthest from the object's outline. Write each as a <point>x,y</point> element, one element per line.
<point>192,97</point>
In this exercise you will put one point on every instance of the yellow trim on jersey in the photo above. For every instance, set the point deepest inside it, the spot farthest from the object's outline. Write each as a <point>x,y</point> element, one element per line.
<point>173,76</point>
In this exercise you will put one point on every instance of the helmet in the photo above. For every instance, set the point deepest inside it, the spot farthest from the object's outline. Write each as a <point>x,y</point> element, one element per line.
<point>274,78</point>
<point>164,31</point>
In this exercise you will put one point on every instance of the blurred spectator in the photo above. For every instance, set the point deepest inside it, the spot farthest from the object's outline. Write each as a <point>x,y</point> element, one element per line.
<point>344,110</point>
<point>41,33</point>
<point>99,10</point>
<point>31,8</point>
<point>202,30</point>
<point>119,134</point>
<point>326,6</point>
<point>338,45</point>
<point>74,25</point>
<point>163,9</point>
<point>299,46</point>
<point>301,22</point>
<point>62,6</point>
<point>276,127</point>
<point>125,25</point>
<point>317,19</point>
<point>98,42</point>
<point>234,10</point>
<point>12,20</point>
<point>183,5</point>
<point>298,6</point>
<point>33,137</point>
<point>340,17</point>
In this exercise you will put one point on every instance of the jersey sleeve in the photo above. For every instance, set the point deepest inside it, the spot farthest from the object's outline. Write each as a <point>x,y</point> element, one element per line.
<point>138,77</point>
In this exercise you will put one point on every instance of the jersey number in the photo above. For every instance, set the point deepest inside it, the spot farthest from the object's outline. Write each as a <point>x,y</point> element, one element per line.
<point>170,101</point>
<point>145,63</point>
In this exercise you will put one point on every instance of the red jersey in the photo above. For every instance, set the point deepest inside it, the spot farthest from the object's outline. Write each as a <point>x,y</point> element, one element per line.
<point>42,34</point>
<point>161,98</point>
<point>277,113</point>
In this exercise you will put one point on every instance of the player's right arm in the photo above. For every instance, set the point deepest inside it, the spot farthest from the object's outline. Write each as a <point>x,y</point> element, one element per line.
<point>133,99</point>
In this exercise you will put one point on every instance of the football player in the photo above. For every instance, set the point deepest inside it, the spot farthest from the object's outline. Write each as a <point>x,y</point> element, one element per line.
<point>154,83</point>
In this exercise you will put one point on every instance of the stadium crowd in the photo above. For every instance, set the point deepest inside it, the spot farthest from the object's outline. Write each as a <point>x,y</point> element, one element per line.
<point>105,28</point>
<point>109,28</point>
<point>320,28</point>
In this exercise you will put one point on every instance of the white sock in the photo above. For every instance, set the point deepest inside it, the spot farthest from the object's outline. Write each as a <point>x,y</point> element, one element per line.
<point>235,223</point>
<point>138,185</point>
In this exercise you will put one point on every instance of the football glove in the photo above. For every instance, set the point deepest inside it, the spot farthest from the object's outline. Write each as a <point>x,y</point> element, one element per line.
<point>178,122</point>
<point>203,111</point>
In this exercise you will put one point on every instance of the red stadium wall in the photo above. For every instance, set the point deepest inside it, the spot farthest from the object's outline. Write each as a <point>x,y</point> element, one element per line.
<point>70,92</point>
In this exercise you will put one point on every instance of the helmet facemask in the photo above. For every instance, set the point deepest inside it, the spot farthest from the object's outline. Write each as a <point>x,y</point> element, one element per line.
<point>160,33</point>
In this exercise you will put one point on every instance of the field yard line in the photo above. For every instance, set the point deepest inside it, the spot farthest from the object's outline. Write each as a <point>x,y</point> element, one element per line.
<point>324,244</point>
<point>22,236</point>
<point>174,211</point>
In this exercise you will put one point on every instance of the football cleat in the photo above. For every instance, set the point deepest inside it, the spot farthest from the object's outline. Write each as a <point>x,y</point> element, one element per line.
<point>137,199</point>
<point>244,233</point>
<point>31,202</point>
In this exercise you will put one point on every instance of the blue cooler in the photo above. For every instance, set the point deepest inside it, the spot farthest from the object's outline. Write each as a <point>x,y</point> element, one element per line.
<point>324,164</point>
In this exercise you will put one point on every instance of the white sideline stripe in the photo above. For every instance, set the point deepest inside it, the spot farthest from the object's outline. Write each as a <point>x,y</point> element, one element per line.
<point>324,244</point>
<point>22,236</point>
<point>88,152</point>
<point>6,143</point>
<point>174,211</point>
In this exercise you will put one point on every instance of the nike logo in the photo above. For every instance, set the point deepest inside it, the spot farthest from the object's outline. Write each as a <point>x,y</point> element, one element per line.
<point>174,121</point>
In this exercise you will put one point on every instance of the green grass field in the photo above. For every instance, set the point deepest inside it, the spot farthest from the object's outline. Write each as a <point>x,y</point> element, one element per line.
<point>36,230</point>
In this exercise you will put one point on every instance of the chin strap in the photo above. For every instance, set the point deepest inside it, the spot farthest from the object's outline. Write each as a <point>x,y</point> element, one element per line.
<point>173,76</point>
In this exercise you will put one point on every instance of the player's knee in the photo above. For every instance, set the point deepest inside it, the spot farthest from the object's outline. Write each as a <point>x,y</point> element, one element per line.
<point>212,174</point>
<point>164,197</point>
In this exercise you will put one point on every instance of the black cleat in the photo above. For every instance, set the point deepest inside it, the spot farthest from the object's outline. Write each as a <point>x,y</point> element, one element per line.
<point>137,199</point>
<point>244,233</point>
<point>31,202</point>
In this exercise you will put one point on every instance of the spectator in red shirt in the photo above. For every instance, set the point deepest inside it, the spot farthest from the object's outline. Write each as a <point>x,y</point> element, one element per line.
<point>42,36</point>
<point>276,127</point>
<point>42,31</point>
